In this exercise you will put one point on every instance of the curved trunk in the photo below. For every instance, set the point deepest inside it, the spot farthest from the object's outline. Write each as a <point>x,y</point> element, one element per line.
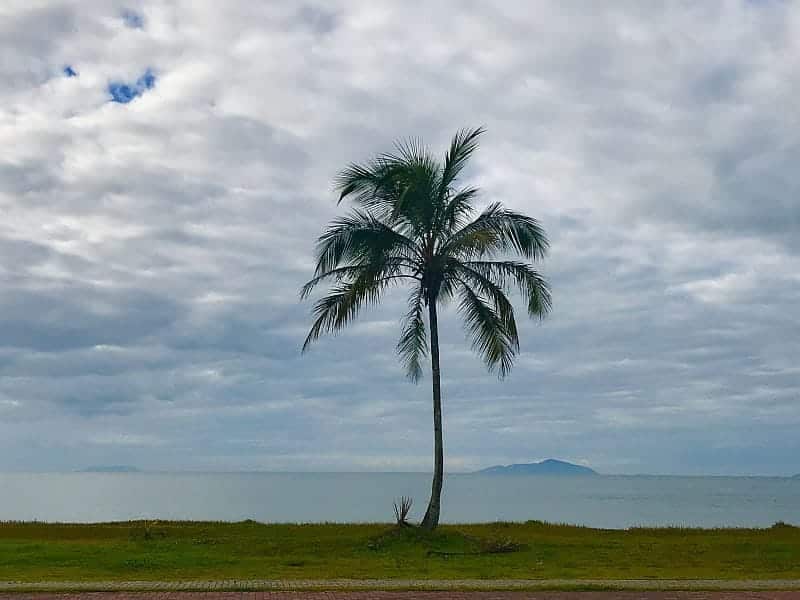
<point>431,518</point>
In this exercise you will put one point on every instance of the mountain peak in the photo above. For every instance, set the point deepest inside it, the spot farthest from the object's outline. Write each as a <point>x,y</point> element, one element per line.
<point>111,469</point>
<point>550,466</point>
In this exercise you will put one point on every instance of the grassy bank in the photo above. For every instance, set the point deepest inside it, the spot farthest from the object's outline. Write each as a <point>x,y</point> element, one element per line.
<point>249,550</point>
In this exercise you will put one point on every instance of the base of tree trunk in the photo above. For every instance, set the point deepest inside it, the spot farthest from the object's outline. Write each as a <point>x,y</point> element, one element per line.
<point>431,519</point>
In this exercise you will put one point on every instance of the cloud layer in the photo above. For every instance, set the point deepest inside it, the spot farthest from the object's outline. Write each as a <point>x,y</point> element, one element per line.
<point>152,250</point>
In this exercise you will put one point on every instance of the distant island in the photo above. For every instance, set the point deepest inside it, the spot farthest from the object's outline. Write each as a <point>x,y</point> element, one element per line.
<point>111,469</point>
<point>551,466</point>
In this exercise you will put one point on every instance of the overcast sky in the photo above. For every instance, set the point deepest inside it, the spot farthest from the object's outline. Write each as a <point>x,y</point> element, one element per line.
<point>167,166</point>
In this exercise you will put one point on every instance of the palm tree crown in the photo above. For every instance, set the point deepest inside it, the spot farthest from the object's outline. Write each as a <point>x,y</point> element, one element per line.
<point>413,224</point>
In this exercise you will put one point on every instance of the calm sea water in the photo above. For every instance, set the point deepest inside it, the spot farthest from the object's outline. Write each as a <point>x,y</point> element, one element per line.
<point>608,501</point>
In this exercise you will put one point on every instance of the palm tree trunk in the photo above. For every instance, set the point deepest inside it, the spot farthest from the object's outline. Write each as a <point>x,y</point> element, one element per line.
<point>431,518</point>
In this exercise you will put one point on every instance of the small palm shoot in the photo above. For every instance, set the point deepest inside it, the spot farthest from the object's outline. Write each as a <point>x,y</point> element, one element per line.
<point>401,509</point>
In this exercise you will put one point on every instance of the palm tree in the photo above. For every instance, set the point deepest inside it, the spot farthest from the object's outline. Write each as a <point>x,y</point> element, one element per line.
<point>414,225</point>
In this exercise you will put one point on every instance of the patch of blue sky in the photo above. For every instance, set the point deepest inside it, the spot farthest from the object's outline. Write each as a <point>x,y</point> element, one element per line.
<point>125,92</point>
<point>133,19</point>
<point>69,71</point>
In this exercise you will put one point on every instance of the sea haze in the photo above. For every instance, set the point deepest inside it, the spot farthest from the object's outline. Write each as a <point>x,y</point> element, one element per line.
<point>597,501</point>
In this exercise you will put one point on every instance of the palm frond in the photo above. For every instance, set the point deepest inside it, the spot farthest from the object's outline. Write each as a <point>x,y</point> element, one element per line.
<point>389,266</point>
<point>457,209</point>
<point>533,287</point>
<point>462,147</point>
<point>410,151</point>
<point>359,238</point>
<point>365,182</point>
<point>342,305</point>
<point>498,229</point>
<point>400,188</point>
<point>413,345</point>
<point>489,337</point>
<point>418,175</point>
<point>494,292</point>
<point>338,274</point>
<point>448,285</point>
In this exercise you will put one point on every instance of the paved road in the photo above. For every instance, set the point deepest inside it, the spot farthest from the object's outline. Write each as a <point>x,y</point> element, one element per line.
<point>417,595</point>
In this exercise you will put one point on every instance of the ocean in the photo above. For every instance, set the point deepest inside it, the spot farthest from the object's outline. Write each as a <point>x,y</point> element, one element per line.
<point>602,501</point>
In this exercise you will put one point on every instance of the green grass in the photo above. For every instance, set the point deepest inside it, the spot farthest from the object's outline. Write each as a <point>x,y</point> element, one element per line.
<point>248,550</point>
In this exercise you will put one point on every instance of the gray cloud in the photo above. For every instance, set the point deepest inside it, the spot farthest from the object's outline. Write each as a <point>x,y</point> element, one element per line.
<point>152,251</point>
